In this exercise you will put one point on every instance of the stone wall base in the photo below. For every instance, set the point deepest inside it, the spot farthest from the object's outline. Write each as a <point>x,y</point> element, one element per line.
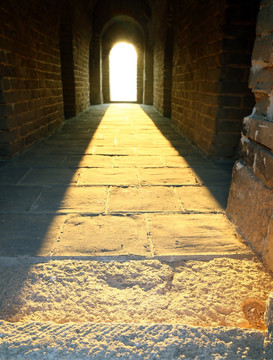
<point>250,207</point>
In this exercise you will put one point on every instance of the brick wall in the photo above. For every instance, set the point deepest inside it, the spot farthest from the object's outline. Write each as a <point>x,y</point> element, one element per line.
<point>250,203</point>
<point>212,47</point>
<point>159,29</point>
<point>31,88</point>
<point>67,63</point>
<point>44,61</point>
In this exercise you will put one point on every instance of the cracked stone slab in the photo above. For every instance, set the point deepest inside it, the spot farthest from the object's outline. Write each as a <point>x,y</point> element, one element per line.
<point>50,176</point>
<point>92,161</point>
<point>156,151</point>
<point>72,199</point>
<point>165,176</point>
<point>113,150</point>
<point>145,198</point>
<point>203,199</point>
<point>137,161</point>
<point>108,176</point>
<point>181,234</point>
<point>189,161</point>
<point>103,235</point>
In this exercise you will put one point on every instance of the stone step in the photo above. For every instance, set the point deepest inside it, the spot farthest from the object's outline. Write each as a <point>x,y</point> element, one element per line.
<point>74,341</point>
<point>217,292</point>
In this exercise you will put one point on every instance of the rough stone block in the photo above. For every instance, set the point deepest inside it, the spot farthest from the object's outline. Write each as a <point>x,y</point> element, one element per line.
<point>259,160</point>
<point>263,49</point>
<point>262,103</point>
<point>261,80</point>
<point>250,205</point>
<point>258,129</point>
<point>265,20</point>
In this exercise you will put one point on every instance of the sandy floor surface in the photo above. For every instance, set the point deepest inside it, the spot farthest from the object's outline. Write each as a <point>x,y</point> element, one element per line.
<point>220,292</point>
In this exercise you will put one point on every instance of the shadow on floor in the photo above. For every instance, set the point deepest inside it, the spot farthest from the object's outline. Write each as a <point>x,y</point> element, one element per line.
<point>23,181</point>
<point>214,174</point>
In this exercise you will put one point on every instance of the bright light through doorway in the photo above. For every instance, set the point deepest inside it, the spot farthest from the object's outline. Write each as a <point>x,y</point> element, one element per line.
<point>123,72</point>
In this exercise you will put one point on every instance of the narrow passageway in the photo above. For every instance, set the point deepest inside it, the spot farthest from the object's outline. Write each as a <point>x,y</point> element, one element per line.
<point>122,182</point>
<point>118,219</point>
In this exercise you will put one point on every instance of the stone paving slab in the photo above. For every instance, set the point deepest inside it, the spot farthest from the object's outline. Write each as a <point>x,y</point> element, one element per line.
<point>143,199</point>
<point>209,176</point>
<point>18,199</point>
<point>50,176</point>
<point>32,235</point>
<point>203,199</point>
<point>181,234</point>
<point>103,235</point>
<point>137,161</point>
<point>92,161</point>
<point>165,176</point>
<point>105,176</point>
<point>189,161</point>
<point>114,150</point>
<point>156,151</point>
<point>71,150</point>
<point>11,175</point>
<point>90,199</point>
<point>38,160</point>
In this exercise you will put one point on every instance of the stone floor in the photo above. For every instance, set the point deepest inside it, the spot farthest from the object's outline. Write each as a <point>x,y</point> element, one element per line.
<point>115,245</point>
<point>117,180</point>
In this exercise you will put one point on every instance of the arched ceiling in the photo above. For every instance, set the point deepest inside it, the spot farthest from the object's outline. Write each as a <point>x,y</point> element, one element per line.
<point>105,12</point>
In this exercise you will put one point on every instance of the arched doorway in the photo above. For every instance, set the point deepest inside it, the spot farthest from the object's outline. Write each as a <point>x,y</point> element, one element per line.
<point>123,72</point>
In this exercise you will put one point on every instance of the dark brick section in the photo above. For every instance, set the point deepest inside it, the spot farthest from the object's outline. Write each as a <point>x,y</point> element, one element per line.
<point>160,31</point>
<point>81,44</point>
<point>32,102</point>
<point>67,66</point>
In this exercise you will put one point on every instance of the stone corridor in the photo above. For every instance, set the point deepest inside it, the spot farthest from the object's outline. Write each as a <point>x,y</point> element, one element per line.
<point>115,244</point>
<point>117,180</point>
